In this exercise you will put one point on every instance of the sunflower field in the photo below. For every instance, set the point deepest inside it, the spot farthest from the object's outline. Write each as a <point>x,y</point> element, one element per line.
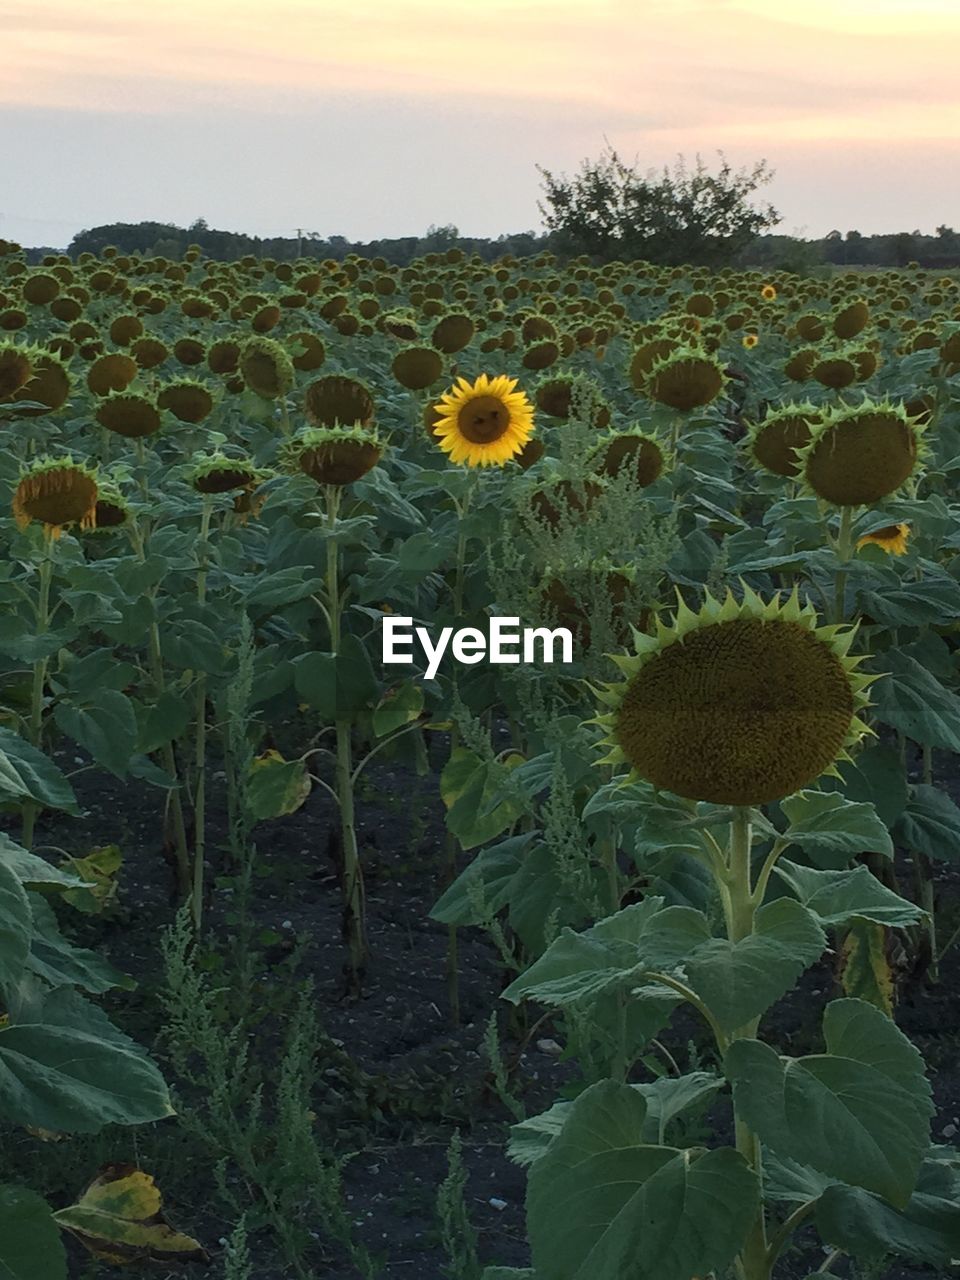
<point>636,965</point>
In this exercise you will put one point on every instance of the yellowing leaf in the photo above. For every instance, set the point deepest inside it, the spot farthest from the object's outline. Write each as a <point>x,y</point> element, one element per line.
<point>866,971</point>
<point>276,787</point>
<point>100,869</point>
<point>118,1218</point>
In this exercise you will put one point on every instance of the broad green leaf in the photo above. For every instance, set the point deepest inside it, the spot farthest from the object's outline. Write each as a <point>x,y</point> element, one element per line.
<point>739,981</point>
<point>914,702</point>
<point>930,824</point>
<point>16,927</point>
<point>839,897</point>
<point>398,707</point>
<point>859,1112</point>
<point>190,645</point>
<point>30,1244</point>
<point>876,777</point>
<point>422,553</point>
<point>107,728</point>
<point>336,685</point>
<point>484,887</point>
<point>601,1202</point>
<point>530,1138</point>
<point>166,721</point>
<point>60,963</point>
<point>70,1081</point>
<point>927,1229</point>
<point>27,774</point>
<point>914,604</point>
<point>828,821</point>
<point>615,954</point>
<point>670,1096</point>
<point>272,591</point>
<point>32,871</point>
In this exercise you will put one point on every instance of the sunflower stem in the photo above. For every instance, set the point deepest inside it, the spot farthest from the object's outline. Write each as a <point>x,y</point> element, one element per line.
<point>167,753</point>
<point>844,549</point>
<point>450,868</point>
<point>354,933</point>
<point>754,1257</point>
<point>31,809</point>
<point>200,794</point>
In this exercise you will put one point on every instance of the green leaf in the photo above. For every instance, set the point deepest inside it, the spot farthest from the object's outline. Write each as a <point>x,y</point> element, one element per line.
<point>859,1112</point>
<point>875,777</point>
<point>612,955</point>
<point>338,685</point>
<point>916,704</point>
<point>16,927</point>
<point>60,963</point>
<point>739,981</point>
<point>27,774</point>
<point>825,820</point>
<point>71,1081</point>
<point>106,728</point>
<point>914,604</point>
<point>30,1244</point>
<point>398,707</point>
<point>190,645</point>
<point>866,1227</point>
<point>601,1202</point>
<point>930,824</point>
<point>670,1096</point>
<point>839,897</point>
<point>166,721</point>
<point>33,871</point>
<point>485,885</point>
<point>271,592</point>
<point>422,553</point>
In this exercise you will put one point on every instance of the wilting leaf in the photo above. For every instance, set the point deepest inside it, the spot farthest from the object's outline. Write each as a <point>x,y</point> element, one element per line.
<point>99,869</point>
<point>118,1218</point>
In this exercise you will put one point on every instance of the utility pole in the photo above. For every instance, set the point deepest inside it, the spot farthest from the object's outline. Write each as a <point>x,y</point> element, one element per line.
<point>299,239</point>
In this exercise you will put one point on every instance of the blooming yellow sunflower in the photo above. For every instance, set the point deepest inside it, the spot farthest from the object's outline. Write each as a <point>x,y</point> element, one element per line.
<point>892,538</point>
<point>750,340</point>
<point>484,423</point>
<point>768,293</point>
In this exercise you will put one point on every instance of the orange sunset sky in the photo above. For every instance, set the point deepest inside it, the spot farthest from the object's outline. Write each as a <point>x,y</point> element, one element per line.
<point>379,117</point>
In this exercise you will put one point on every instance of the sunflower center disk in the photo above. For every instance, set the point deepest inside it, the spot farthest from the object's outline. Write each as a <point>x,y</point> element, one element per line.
<point>483,419</point>
<point>739,713</point>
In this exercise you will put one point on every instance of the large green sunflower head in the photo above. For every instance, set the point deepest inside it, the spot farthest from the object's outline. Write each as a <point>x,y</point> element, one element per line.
<point>741,703</point>
<point>859,456</point>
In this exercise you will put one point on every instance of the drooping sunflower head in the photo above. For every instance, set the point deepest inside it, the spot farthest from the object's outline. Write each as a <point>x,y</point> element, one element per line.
<point>891,538</point>
<point>57,492</point>
<point>130,415</point>
<point>417,368</point>
<point>337,400</point>
<point>187,400</point>
<point>16,368</point>
<point>741,703</point>
<point>219,473</point>
<point>774,441</point>
<point>857,457</point>
<point>483,423</point>
<point>686,380</point>
<point>266,368</point>
<point>634,453</point>
<point>112,511</point>
<point>334,455</point>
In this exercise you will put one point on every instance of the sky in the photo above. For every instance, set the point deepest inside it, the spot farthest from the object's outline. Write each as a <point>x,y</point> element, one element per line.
<point>377,118</point>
